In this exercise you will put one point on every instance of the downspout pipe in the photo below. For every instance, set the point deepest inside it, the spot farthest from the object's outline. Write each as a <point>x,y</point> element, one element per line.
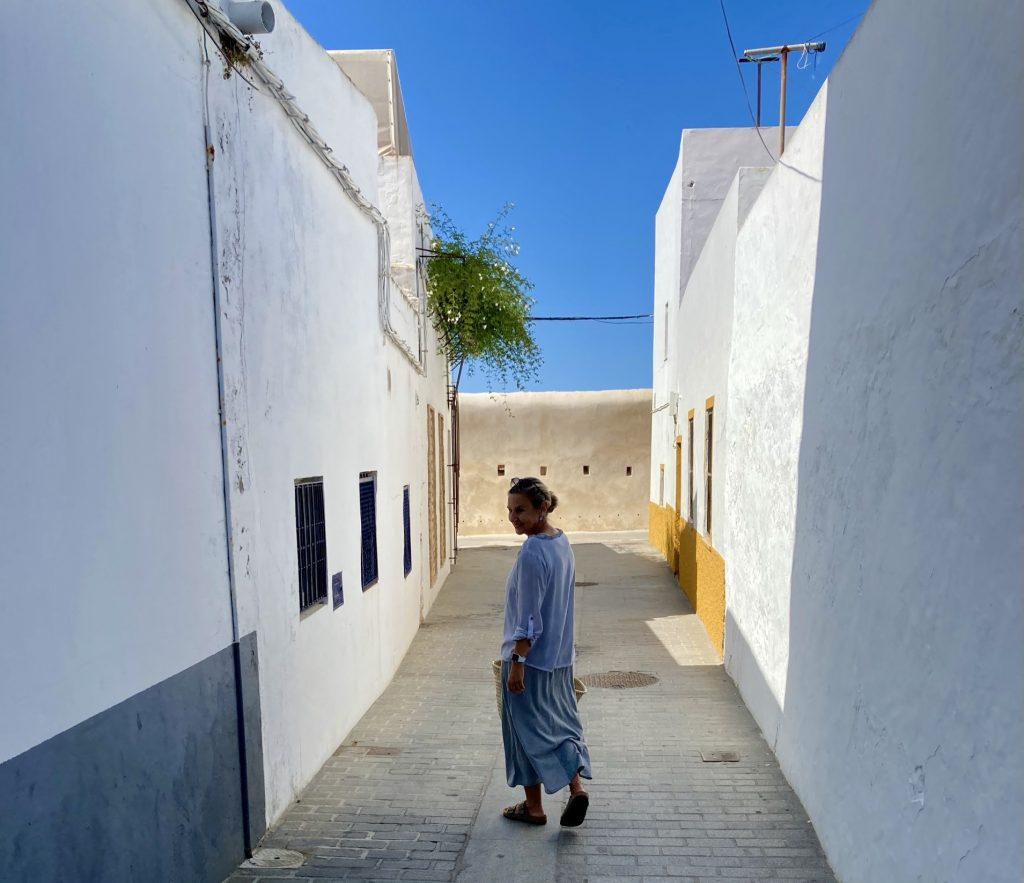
<point>236,650</point>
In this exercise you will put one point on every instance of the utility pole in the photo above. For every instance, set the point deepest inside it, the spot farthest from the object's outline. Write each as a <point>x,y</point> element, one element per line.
<point>780,54</point>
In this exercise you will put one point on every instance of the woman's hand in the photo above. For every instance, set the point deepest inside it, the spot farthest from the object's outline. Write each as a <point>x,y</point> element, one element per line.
<point>516,673</point>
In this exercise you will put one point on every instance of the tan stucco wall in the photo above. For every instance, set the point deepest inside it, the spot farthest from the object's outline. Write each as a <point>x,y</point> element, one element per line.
<point>607,430</point>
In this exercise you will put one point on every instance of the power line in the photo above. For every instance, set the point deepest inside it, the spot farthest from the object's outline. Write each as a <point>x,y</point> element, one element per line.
<point>838,26</point>
<point>743,83</point>
<point>589,318</point>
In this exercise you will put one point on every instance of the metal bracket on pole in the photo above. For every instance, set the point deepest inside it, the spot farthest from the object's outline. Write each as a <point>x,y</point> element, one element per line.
<point>777,53</point>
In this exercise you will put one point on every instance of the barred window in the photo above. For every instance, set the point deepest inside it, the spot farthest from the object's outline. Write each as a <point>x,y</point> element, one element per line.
<point>311,540</point>
<point>407,531</point>
<point>368,522</point>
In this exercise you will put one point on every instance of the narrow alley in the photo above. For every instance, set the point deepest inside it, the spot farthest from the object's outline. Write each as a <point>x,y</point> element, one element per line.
<point>415,792</point>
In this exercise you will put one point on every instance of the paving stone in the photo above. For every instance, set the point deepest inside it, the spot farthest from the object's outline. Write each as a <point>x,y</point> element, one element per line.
<point>414,793</point>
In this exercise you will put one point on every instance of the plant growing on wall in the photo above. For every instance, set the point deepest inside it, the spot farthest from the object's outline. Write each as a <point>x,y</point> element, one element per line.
<point>479,301</point>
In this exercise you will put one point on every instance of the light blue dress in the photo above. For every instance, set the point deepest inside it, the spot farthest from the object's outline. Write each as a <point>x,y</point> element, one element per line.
<point>541,728</point>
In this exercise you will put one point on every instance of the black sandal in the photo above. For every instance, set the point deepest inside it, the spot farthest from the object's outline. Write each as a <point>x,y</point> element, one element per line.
<point>575,810</point>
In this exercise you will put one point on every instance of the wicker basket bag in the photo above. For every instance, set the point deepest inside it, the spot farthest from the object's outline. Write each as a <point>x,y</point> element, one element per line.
<point>578,686</point>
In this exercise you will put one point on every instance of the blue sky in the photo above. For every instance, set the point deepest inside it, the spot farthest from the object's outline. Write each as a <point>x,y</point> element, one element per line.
<point>573,111</point>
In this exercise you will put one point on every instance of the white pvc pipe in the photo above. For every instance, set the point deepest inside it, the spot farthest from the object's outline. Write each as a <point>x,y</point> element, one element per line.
<point>252,16</point>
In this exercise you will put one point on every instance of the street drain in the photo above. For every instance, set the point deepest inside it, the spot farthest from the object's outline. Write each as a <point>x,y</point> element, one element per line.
<point>619,680</point>
<point>275,858</point>
<point>584,583</point>
<point>719,756</point>
<point>379,751</point>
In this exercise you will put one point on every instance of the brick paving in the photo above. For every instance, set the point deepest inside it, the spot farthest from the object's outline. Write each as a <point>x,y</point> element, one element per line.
<point>414,793</point>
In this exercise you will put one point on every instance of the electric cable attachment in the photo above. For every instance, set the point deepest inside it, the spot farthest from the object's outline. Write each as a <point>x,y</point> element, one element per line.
<point>217,23</point>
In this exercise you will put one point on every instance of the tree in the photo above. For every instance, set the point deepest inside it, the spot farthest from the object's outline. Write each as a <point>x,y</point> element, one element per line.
<point>479,301</point>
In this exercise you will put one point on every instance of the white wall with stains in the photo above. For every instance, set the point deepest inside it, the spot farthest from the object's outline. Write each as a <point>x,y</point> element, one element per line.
<point>114,559</point>
<point>112,564</point>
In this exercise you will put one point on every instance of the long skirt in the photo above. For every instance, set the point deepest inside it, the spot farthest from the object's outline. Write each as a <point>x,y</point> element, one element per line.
<point>542,731</point>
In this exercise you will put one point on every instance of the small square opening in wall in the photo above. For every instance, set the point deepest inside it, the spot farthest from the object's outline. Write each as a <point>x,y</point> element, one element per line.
<point>629,470</point>
<point>543,470</point>
<point>586,470</point>
<point>501,469</point>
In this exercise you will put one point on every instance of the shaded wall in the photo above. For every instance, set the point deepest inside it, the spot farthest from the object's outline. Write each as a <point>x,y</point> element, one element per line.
<point>528,433</point>
<point>885,621</point>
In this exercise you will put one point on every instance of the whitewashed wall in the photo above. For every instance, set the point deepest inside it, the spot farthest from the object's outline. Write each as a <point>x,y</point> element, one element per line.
<point>316,389</point>
<point>703,323</point>
<point>113,558</point>
<point>774,270</point>
<point>707,164</point>
<point>875,605</point>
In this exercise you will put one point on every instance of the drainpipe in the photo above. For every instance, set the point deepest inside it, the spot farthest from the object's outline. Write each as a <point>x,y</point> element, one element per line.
<point>236,650</point>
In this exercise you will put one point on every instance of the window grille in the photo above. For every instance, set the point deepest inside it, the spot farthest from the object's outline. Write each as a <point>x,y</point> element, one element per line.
<point>689,494</point>
<point>708,454</point>
<point>368,522</point>
<point>407,528</point>
<point>311,539</point>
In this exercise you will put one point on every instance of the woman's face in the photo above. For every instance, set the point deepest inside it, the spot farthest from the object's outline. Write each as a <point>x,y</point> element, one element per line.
<point>523,516</point>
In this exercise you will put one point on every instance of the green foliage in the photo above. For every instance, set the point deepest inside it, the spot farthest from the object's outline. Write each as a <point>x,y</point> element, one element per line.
<point>479,301</point>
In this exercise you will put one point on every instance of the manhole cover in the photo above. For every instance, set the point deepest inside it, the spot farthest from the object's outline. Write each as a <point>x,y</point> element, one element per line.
<point>275,858</point>
<point>619,680</point>
<point>719,756</point>
<point>584,583</point>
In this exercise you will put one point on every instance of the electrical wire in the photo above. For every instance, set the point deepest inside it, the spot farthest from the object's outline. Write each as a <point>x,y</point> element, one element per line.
<point>746,95</point>
<point>743,82</point>
<point>835,27</point>
<point>589,318</point>
<point>216,22</point>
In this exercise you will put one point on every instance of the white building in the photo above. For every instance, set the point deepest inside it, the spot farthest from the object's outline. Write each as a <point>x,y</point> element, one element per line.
<point>864,319</point>
<point>172,581</point>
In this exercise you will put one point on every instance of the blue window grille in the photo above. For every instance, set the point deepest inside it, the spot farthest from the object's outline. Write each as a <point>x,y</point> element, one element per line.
<point>407,528</point>
<point>368,520</point>
<point>311,540</point>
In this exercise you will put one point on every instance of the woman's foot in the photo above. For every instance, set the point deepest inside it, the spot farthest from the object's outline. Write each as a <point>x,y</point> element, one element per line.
<point>521,813</point>
<point>576,809</point>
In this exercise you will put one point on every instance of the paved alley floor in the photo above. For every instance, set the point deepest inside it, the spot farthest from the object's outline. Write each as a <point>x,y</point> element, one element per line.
<point>416,791</point>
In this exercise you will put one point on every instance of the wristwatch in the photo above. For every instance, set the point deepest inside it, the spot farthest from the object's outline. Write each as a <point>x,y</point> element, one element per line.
<point>517,658</point>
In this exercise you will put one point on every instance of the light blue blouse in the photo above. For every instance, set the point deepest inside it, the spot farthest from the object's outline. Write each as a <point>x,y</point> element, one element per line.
<point>539,597</point>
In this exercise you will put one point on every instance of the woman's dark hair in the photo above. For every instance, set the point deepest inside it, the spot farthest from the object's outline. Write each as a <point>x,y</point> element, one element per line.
<point>535,491</point>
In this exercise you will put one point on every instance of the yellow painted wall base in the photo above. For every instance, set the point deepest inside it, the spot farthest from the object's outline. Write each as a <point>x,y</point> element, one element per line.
<point>698,567</point>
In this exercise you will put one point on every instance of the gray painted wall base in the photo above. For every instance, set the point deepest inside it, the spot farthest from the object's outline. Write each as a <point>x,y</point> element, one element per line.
<point>147,790</point>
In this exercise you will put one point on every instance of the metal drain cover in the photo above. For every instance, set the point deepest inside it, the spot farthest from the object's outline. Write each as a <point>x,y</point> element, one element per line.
<point>585,583</point>
<point>381,751</point>
<point>275,858</point>
<point>719,756</point>
<point>619,680</point>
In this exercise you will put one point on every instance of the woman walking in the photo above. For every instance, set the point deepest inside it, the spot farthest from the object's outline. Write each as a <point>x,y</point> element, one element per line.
<point>540,723</point>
